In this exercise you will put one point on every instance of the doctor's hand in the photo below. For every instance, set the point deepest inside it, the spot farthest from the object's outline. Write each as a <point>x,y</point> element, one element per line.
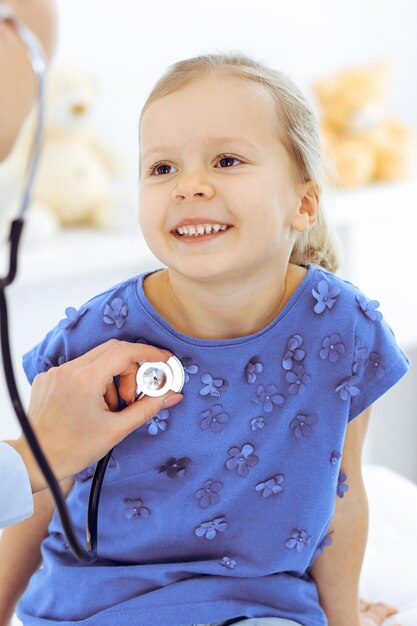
<point>73,408</point>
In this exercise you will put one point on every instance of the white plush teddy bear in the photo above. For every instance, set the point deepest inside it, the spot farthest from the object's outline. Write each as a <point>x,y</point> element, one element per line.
<point>73,185</point>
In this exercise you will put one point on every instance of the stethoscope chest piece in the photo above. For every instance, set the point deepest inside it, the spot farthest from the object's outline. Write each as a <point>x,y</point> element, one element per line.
<point>156,379</point>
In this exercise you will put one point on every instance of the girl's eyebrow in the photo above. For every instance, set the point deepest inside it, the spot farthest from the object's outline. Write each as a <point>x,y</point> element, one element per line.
<point>213,141</point>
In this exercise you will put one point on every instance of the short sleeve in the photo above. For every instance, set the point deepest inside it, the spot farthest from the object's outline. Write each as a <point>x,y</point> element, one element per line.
<point>378,361</point>
<point>103,317</point>
<point>50,352</point>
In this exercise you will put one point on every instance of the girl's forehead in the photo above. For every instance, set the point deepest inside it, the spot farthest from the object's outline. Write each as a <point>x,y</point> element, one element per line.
<point>210,108</point>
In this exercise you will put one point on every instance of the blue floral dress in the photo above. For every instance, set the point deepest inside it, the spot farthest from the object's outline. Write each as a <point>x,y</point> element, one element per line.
<point>216,508</point>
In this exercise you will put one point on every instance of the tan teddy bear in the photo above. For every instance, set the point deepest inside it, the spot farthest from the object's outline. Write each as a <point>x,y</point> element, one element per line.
<point>363,142</point>
<point>73,185</point>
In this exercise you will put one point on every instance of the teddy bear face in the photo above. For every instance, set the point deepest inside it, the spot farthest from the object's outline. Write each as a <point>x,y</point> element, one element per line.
<point>354,100</point>
<point>71,98</point>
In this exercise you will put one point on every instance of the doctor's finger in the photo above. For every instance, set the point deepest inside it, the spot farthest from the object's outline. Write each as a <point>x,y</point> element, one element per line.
<point>120,360</point>
<point>138,413</point>
<point>117,351</point>
<point>111,397</point>
<point>127,383</point>
<point>123,361</point>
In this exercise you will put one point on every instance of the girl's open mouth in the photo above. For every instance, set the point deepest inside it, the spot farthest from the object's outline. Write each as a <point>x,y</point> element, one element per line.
<point>199,238</point>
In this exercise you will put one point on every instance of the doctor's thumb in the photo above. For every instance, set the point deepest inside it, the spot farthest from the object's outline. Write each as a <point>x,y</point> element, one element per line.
<point>144,410</point>
<point>171,399</point>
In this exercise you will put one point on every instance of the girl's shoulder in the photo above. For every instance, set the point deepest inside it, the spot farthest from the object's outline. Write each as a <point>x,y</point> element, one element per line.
<point>329,288</point>
<point>109,314</point>
<point>339,303</point>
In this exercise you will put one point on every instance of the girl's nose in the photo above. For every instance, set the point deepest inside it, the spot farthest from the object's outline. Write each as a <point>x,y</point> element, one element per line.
<point>190,186</point>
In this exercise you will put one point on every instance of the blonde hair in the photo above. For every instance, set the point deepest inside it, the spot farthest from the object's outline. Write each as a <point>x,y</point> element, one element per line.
<point>300,135</point>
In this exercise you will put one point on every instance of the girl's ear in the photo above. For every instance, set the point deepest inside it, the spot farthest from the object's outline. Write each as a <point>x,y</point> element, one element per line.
<point>308,206</point>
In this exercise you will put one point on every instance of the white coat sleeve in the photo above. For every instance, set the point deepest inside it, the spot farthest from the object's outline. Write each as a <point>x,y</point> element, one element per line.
<point>16,501</point>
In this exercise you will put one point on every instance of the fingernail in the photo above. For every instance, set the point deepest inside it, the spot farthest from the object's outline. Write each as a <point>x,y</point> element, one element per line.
<point>172,400</point>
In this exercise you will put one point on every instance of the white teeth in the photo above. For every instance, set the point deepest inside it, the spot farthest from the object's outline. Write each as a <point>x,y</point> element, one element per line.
<point>200,229</point>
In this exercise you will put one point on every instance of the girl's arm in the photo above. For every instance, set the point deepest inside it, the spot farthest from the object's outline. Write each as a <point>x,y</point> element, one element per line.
<point>20,554</point>
<point>337,570</point>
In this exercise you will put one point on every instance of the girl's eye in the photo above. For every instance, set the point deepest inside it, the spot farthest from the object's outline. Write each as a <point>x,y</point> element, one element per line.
<point>153,171</point>
<point>226,157</point>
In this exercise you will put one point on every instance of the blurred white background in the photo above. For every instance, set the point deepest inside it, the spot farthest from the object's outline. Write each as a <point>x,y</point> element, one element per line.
<point>126,46</point>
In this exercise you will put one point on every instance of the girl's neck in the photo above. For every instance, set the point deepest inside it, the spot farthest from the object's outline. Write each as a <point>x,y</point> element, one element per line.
<point>220,310</point>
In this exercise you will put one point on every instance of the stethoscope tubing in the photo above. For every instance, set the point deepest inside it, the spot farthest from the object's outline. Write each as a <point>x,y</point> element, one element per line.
<point>38,63</point>
<point>170,374</point>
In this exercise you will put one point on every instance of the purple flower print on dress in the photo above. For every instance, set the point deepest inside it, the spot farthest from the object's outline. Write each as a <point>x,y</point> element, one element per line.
<point>293,352</point>
<point>341,488</point>
<point>253,367</point>
<point>374,366</point>
<point>326,541</point>
<point>257,423</point>
<point>209,493</point>
<point>115,313</point>
<point>272,486</point>
<point>44,363</point>
<point>301,425</point>
<point>332,348</point>
<point>360,355</point>
<point>267,396</point>
<point>228,562</point>
<point>213,386</point>
<point>369,308</point>
<point>325,296</point>
<point>85,474</point>
<point>88,472</point>
<point>214,418</point>
<point>142,340</point>
<point>211,528</point>
<point>299,540</point>
<point>175,467</point>
<point>134,508</point>
<point>297,378</point>
<point>159,422</point>
<point>334,459</point>
<point>60,538</point>
<point>241,459</point>
<point>112,463</point>
<point>189,368</point>
<point>73,317</point>
<point>348,388</point>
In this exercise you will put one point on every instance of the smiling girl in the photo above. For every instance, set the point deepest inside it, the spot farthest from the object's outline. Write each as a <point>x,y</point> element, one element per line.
<point>245,502</point>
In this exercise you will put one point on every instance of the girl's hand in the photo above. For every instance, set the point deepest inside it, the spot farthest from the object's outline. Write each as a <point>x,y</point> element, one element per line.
<point>375,613</point>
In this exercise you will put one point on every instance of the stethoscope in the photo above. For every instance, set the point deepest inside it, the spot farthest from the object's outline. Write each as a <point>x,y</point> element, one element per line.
<point>152,378</point>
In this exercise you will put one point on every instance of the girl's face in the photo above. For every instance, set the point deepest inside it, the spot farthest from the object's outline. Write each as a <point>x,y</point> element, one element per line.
<point>209,152</point>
